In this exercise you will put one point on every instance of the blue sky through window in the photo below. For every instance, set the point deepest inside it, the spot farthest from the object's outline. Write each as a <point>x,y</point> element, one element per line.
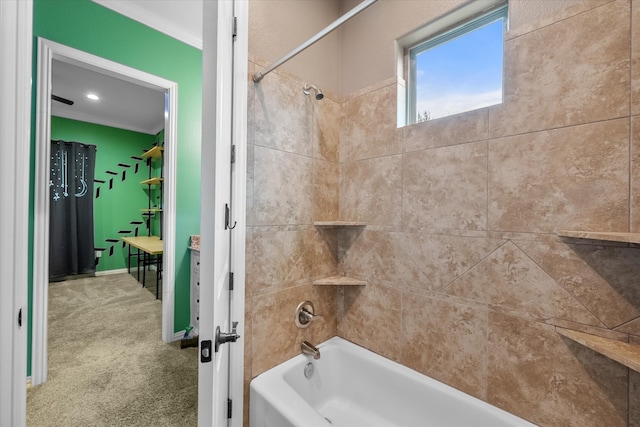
<point>461,74</point>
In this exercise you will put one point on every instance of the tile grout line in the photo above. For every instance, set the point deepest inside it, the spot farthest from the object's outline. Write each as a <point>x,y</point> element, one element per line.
<point>486,218</point>
<point>630,147</point>
<point>486,356</point>
<point>559,21</point>
<point>473,267</point>
<point>490,138</point>
<point>488,169</point>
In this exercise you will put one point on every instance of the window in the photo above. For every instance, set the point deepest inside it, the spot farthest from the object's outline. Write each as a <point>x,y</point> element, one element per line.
<point>458,70</point>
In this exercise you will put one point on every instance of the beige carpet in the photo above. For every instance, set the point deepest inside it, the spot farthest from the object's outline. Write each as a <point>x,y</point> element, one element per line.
<point>108,365</point>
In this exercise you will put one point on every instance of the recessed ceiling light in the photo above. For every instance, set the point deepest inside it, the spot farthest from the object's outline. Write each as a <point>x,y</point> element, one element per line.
<point>93,96</point>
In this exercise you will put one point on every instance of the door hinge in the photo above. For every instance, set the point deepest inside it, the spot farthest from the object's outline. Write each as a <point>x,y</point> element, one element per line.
<point>230,281</point>
<point>229,407</point>
<point>20,318</point>
<point>234,31</point>
<point>233,154</point>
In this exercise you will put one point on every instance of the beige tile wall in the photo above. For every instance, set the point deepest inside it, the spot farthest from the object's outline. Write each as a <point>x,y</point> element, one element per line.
<point>474,275</point>
<point>466,276</point>
<point>292,180</point>
<point>635,57</point>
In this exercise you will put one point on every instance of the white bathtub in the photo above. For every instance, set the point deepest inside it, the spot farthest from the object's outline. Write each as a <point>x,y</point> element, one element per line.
<point>353,387</point>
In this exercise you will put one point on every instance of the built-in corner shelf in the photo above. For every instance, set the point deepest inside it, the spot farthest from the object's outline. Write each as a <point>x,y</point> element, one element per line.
<point>622,352</point>
<point>602,235</point>
<point>153,210</point>
<point>339,224</point>
<point>155,152</point>
<point>339,281</point>
<point>152,181</point>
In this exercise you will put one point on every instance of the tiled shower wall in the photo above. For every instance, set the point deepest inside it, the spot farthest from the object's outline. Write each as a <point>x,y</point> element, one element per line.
<point>467,279</point>
<point>293,174</point>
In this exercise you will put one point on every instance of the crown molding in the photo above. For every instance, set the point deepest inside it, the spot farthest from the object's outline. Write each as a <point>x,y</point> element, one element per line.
<point>151,19</point>
<point>89,118</point>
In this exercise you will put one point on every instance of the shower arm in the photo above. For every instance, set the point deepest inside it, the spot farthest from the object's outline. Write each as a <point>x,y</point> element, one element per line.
<point>335,24</point>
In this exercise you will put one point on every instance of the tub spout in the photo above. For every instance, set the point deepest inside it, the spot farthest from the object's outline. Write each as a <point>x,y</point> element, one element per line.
<point>309,349</point>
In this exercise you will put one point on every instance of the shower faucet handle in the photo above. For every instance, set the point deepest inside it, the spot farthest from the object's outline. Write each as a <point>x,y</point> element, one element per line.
<point>305,314</point>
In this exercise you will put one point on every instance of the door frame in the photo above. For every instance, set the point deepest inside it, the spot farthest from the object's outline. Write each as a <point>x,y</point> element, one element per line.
<point>47,51</point>
<point>16,19</point>
<point>223,103</point>
<point>239,203</point>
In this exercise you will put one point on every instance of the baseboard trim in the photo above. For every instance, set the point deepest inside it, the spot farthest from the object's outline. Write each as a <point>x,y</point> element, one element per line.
<point>177,336</point>
<point>109,272</point>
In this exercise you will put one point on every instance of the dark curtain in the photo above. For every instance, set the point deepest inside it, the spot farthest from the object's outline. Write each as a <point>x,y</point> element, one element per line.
<point>71,242</point>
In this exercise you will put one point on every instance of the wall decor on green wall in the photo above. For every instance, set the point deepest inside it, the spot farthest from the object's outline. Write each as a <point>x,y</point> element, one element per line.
<point>89,27</point>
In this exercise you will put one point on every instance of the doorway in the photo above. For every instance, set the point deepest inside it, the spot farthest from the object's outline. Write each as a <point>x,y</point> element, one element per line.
<point>118,123</point>
<point>18,99</point>
<point>48,51</point>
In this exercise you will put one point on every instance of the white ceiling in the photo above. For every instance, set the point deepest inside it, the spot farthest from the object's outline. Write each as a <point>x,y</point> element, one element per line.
<point>123,104</point>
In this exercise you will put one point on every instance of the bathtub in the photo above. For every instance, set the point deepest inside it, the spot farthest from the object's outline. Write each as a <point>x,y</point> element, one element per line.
<point>354,387</point>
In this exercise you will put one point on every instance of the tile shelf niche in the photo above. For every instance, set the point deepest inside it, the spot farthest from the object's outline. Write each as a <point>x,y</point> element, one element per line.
<point>602,235</point>
<point>339,224</point>
<point>622,352</point>
<point>339,280</point>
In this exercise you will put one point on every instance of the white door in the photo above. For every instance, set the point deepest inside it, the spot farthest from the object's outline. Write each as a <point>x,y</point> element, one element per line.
<point>222,222</point>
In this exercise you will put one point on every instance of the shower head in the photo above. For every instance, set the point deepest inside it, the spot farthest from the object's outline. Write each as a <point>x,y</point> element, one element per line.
<point>308,88</point>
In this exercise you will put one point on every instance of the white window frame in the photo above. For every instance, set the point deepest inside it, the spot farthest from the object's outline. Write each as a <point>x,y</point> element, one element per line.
<point>455,24</point>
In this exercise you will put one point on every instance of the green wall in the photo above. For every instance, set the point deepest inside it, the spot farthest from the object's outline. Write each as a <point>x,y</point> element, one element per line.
<point>117,198</point>
<point>89,27</point>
